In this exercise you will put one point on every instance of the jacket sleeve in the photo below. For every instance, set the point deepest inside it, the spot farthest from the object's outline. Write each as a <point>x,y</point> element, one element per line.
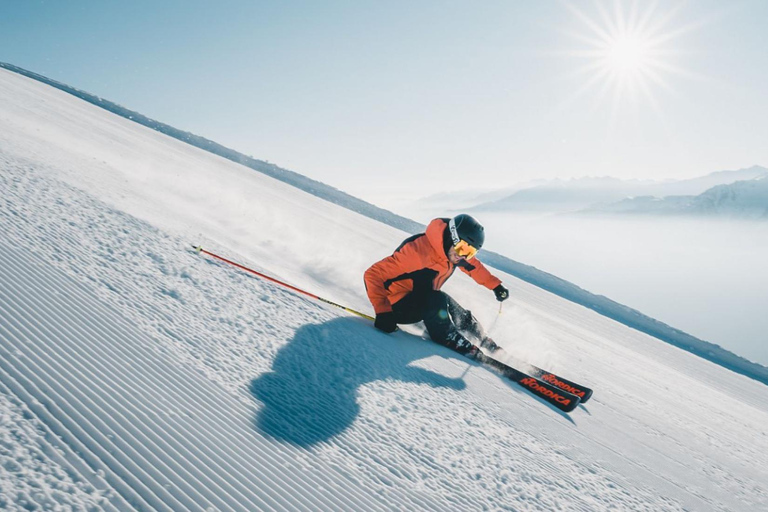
<point>408,259</point>
<point>481,275</point>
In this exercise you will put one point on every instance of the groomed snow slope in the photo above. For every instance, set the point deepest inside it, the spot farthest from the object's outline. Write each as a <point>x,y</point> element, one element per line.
<point>137,374</point>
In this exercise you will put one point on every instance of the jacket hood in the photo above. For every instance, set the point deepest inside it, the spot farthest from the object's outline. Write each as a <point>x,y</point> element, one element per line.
<point>436,232</point>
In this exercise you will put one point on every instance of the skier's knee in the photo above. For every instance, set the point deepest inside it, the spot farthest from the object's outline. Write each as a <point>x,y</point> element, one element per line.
<point>436,309</point>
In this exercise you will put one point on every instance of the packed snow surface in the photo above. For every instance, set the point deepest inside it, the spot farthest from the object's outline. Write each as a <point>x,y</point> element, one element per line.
<point>138,374</point>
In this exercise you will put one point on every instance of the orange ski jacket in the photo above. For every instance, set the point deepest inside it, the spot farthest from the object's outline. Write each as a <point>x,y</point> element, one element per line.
<point>420,264</point>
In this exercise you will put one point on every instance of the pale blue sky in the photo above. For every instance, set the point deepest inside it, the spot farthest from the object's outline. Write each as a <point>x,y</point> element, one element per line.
<point>386,99</point>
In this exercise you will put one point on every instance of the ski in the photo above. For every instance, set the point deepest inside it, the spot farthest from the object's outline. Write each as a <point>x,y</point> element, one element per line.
<point>556,396</point>
<point>584,393</point>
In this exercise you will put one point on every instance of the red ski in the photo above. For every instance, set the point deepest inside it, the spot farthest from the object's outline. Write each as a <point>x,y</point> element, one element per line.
<point>554,395</point>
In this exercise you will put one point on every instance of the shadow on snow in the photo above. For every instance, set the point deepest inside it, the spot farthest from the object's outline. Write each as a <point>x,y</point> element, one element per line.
<point>310,395</point>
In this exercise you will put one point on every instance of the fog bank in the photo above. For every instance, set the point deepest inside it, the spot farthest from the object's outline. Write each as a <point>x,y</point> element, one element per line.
<point>708,278</point>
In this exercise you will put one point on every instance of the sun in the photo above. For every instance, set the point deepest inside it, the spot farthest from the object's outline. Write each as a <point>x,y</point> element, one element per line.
<point>628,54</point>
<point>627,49</point>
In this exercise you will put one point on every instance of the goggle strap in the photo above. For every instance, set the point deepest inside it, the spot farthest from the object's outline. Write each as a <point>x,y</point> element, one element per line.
<point>454,232</point>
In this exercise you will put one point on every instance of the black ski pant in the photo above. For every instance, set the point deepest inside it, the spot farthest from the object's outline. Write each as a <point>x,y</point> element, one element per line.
<point>441,314</point>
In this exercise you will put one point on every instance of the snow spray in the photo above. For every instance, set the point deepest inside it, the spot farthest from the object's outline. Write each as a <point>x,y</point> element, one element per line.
<point>286,285</point>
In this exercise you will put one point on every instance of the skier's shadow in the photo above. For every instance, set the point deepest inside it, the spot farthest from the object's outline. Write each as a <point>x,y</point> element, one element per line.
<point>310,395</point>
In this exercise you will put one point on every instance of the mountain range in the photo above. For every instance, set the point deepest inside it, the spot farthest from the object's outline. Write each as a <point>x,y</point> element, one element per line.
<point>742,199</point>
<point>741,192</point>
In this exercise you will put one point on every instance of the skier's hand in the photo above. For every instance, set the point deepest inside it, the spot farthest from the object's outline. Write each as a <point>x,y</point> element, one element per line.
<point>386,322</point>
<point>502,293</point>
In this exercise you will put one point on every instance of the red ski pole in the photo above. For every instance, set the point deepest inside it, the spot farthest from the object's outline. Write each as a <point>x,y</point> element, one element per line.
<point>272,279</point>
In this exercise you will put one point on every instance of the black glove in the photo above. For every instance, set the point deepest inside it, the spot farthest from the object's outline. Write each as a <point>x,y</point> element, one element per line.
<point>502,293</point>
<point>386,322</point>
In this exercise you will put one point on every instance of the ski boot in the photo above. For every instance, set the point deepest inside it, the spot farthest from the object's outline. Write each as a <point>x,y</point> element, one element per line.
<point>462,345</point>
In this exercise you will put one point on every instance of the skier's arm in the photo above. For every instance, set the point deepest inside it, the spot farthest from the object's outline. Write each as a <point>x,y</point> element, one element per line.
<point>482,276</point>
<point>407,259</point>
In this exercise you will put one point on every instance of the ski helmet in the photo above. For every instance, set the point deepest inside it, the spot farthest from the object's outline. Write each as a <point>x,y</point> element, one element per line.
<point>465,227</point>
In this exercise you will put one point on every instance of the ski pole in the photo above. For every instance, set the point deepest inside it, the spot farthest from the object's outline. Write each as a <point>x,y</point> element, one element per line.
<point>199,249</point>
<point>495,320</point>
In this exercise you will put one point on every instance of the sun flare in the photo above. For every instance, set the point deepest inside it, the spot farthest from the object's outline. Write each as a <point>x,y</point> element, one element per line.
<point>628,52</point>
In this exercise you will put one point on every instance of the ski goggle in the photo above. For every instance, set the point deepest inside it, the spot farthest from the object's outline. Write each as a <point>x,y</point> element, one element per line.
<point>465,250</point>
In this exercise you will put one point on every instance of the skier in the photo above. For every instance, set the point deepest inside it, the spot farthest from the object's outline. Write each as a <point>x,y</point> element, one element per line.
<point>404,288</point>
